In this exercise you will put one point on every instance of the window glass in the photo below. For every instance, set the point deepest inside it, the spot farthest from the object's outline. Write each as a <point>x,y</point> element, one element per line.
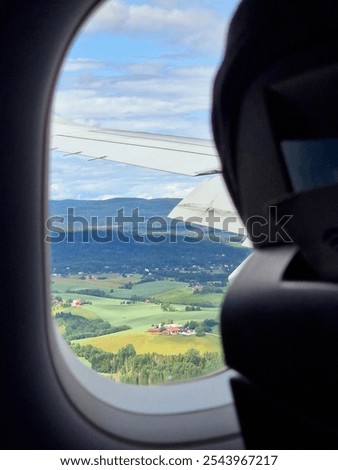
<point>138,271</point>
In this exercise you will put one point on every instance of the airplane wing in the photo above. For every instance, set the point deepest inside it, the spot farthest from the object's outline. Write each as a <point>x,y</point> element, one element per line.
<point>210,203</point>
<point>186,156</point>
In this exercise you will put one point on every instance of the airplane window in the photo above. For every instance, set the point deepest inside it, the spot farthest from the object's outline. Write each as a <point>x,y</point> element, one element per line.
<point>142,234</point>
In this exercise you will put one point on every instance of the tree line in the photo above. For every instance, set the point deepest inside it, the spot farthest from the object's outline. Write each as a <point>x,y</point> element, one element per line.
<point>78,327</point>
<point>150,368</point>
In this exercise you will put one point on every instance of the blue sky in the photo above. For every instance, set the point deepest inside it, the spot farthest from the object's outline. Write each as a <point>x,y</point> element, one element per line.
<point>139,65</point>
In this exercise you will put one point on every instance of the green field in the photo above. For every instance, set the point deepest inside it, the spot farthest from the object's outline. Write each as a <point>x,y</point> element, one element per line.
<point>165,291</point>
<point>61,284</point>
<point>146,289</point>
<point>90,314</point>
<point>150,289</point>
<point>149,343</point>
<point>184,295</point>
<point>140,315</point>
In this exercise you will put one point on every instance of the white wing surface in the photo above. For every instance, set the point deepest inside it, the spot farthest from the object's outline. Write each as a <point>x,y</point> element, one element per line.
<point>185,156</point>
<point>209,204</point>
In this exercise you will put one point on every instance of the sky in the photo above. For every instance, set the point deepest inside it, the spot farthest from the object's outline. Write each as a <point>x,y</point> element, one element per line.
<point>139,65</point>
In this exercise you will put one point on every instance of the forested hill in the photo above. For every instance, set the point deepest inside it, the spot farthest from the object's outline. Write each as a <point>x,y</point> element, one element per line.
<point>109,208</point>
<point>177,255</point>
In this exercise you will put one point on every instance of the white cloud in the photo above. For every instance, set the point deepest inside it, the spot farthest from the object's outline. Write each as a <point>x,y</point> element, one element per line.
<point>84,179</point>
<point>143,69</point>
<point>194,27</point>
<point>110,16</point>
<point>174,100</point>
<point>88,104</point>
<point>75,65</point>
<point>105,197</point>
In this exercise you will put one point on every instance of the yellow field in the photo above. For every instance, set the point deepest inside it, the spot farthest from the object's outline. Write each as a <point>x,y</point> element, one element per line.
<point>148,343</point>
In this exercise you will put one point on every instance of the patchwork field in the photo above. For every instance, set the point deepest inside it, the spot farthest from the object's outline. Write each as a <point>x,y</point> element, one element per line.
<point>140,316</point>
<point>89,324</point>
<point>165,291</point>
<point>61,284</point>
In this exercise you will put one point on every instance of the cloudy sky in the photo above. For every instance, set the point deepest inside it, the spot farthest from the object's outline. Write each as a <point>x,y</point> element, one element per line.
<point>139,65</point>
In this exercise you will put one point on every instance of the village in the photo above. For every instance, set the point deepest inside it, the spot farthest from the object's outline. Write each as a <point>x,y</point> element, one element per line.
<point>171,329</point>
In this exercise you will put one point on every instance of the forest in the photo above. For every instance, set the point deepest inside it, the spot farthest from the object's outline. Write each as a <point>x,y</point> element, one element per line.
<point>78,327</point>
<point>84,249</point>
<point>150,369</point>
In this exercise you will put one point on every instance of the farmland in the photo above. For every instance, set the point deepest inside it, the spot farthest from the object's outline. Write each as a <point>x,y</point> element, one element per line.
<point>139,312</point>
<point>138,316</point>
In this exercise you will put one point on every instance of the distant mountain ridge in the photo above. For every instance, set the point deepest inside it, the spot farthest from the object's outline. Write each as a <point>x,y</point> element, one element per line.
<point>101,209</point>
<point>178,258</point>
